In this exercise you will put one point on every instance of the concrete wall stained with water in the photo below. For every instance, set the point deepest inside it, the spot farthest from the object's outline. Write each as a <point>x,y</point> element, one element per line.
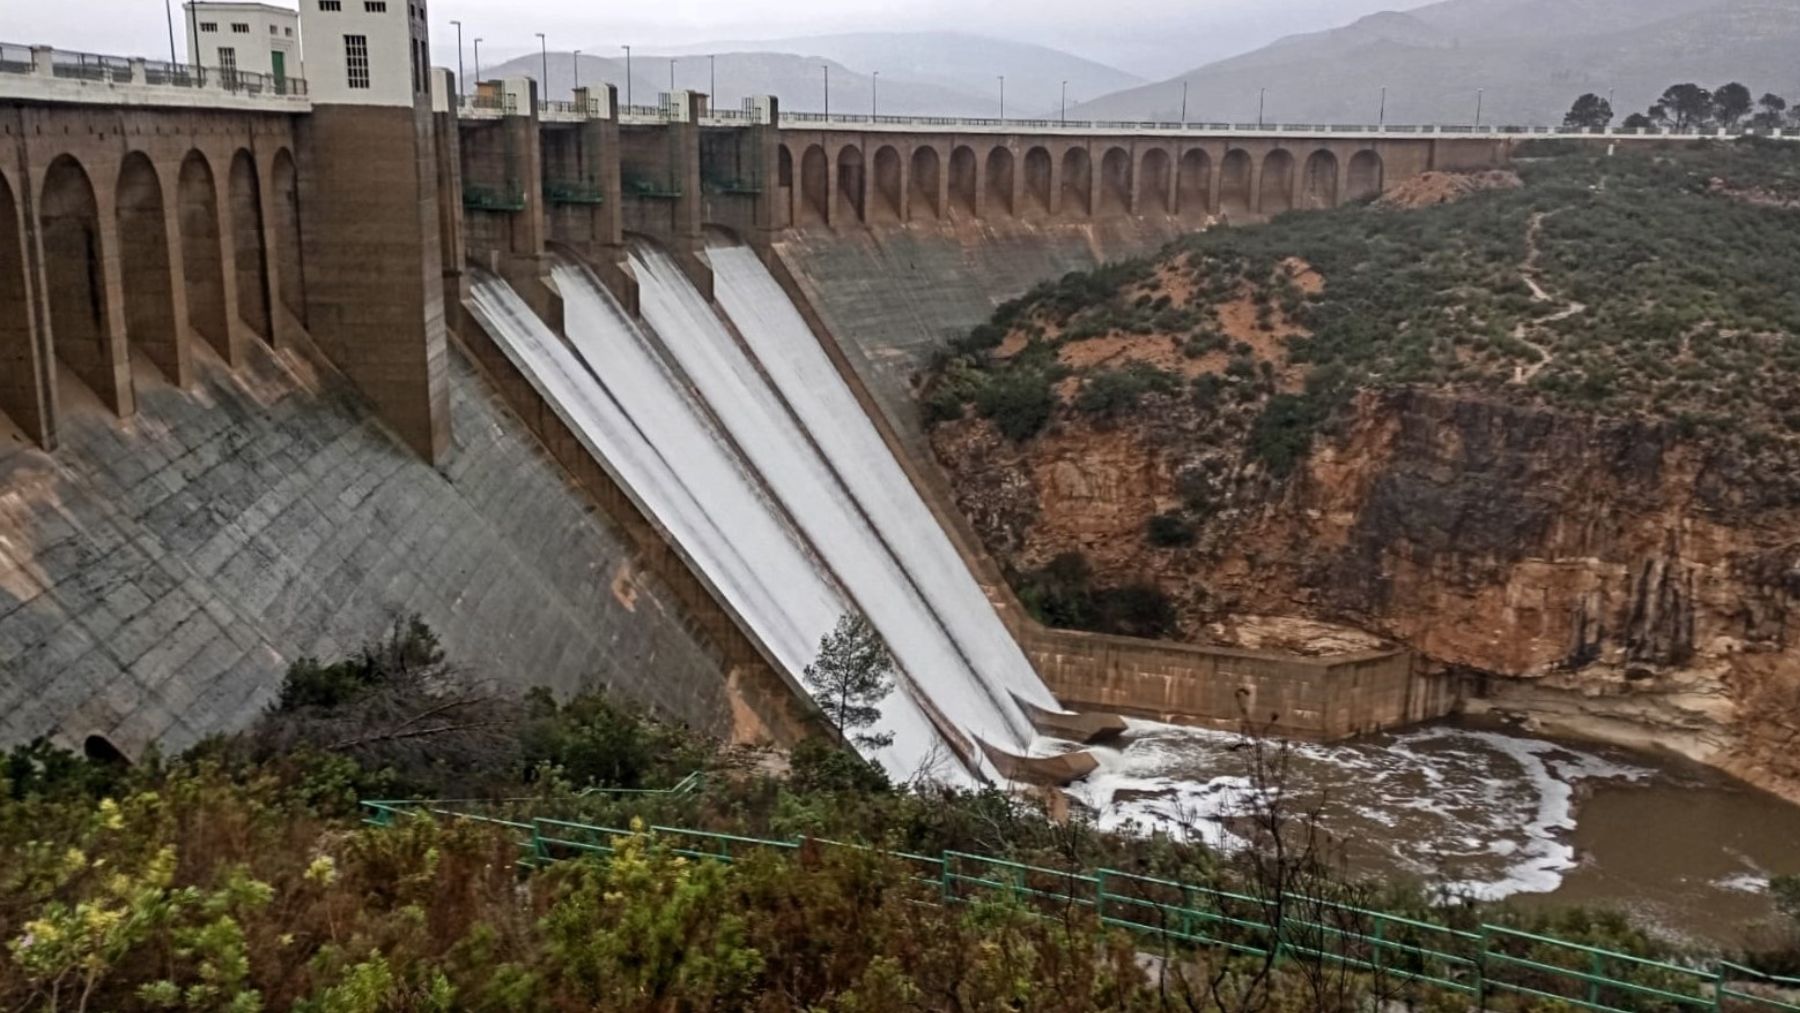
<point>157,575</point>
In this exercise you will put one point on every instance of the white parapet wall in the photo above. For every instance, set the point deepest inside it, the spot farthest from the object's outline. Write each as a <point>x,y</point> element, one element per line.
<point>44,74</point>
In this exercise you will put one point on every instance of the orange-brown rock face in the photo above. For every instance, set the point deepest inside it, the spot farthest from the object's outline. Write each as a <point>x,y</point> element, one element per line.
<point>1602,576</point>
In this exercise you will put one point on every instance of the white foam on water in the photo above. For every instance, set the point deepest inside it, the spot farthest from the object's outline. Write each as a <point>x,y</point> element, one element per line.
<point>1480,813</point>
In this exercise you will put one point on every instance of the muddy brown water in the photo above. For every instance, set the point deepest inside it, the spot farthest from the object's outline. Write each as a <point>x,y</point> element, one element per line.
<point>1493,812</point>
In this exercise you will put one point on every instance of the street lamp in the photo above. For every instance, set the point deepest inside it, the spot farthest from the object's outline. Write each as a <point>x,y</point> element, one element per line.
<point>874,95</point>
<point>627,75</point>
<point>544,52</point>
<point>169,14</point>
<point>1262,101</point>
<point>1382,121</point>
<point>477,63</point>
<point>1002,98</point>
<point>712,79</point>
<point>577,85</point>
<point>1184,88</point>
<point>462,86</point>
<point>1063,117</point>
<point>827,68</point>
<point>1479,94</point>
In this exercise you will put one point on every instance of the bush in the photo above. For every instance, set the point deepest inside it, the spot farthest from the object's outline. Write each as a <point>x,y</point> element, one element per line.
<point>1114,392</point>
<point>1018,402</point>
<point>1171,531</point>
<point>410,646</point>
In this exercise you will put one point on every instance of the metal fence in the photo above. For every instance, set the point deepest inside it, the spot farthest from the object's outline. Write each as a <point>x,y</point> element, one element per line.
<point>118,70</point>
<point>1487,963</point>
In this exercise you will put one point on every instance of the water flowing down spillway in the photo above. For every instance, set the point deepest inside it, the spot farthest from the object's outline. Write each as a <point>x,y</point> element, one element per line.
<point>784,344</point>
<point>636,418</point>
<point>802,431</point>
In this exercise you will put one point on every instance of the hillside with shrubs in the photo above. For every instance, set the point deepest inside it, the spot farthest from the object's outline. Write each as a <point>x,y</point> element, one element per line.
<point>1574,383</point>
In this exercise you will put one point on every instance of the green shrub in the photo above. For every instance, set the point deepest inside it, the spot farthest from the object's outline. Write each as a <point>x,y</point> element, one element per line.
<point>1113,392</point>
<point>1018,402</point>
<point>1171,531</point>
<point>410,646</point>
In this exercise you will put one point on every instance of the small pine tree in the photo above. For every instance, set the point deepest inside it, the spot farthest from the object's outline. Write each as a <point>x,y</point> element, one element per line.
<point>853,673</point>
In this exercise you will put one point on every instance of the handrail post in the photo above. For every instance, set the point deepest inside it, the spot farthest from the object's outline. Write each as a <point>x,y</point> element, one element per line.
<point>1481,982</point>
<point>1596,967</point>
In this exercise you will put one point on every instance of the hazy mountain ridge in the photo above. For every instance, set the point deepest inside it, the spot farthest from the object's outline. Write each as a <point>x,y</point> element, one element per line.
<point>921,73</point>
<point>1530,58</point>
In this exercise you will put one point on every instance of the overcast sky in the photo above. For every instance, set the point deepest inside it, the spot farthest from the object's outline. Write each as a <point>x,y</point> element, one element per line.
<point>1151,38</point>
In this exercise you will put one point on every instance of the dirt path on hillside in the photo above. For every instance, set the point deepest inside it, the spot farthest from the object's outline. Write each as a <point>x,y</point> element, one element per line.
<point>1528,272</point>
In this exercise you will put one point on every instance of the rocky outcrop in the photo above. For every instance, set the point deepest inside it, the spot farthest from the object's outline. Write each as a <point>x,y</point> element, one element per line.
<point>1603,576</point>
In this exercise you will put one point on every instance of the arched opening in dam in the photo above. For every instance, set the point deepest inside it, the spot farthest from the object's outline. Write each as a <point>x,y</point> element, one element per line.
<point>1000,182</point>
<point>1193,190</point>
<point>1237,179</point>
<point>19,388</point>
<point>290,279</point>
<point>202,256</point>
<point>888,185</point>
<point>815,173</point>
<point>74,273</point>
<point>851,186</point>
<point>247,246</point>
<point>1037,180</point>
<point>146,274</point>
<point>1365,181</point>
<point>1319,189</point>
<point>1077,182</point>
<point>784,185</point>
<point>925,184</point>
<point>1115,182</point>
<point>1156,183</point>
<point>1276,193</point>
<point>963,173</point>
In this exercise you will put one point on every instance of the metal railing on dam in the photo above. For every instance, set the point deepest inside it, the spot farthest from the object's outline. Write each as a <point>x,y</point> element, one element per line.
<point>47,74</point>
<point>1480,963</point>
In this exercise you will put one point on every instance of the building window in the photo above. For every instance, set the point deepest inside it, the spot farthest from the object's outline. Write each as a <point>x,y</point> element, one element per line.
<point>209,26</point>
<point>289,32</point>
<point>274,30</point>
<point>240,28</point>
<point>375,6</point>
<point>330,5</point>
<point>356,60</point>
<point>228,66</point>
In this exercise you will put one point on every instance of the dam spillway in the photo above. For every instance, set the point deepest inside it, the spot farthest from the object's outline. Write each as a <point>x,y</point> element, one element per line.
<point>757,461</point>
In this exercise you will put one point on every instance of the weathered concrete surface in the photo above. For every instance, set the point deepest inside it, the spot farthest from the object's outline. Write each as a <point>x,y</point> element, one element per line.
<point>157,575</point>
<point>893,295</point>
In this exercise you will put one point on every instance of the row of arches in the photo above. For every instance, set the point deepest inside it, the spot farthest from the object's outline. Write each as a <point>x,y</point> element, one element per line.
<point>890,186</point>
<point>144,264</point>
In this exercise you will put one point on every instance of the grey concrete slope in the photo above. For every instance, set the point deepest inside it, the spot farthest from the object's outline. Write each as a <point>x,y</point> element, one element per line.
<point>158,575</point>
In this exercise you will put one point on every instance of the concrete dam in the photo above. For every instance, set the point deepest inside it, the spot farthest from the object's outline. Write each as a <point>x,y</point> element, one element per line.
<point>609,395</point>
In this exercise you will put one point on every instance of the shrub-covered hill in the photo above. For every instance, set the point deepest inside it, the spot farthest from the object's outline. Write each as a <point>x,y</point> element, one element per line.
<point>1656,285</point>
<point>1548,430</point>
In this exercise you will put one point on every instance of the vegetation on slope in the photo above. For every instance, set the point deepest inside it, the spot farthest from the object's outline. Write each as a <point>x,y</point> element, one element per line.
<point>238,877</point>
<point>1656,286</point>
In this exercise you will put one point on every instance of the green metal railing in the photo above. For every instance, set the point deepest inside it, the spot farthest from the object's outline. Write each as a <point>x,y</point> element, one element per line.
<point>490,198</point>
<point>557,192</point>
<point>1487,963</point>
<point>644,186</point>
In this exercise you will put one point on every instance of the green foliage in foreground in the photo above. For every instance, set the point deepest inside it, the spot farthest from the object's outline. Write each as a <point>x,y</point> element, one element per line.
<point>232,880</point>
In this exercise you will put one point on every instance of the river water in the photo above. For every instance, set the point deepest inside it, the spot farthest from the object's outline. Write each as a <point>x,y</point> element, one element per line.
<point>1487,812</point>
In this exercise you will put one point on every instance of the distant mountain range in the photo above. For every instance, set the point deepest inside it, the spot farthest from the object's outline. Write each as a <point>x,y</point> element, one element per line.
<point>1523,61</point>
<point>920,73</point>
